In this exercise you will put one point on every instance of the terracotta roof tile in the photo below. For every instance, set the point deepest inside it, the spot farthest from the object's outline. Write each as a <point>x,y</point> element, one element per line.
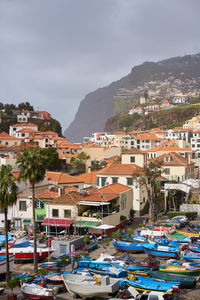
<point>121,169</point>
<point>168,148</point>
<point>6,136</point>
<point>175,159</point>
<point>24,124</point>
<point>133,151</point>
<point>88,177</point>
<point>62,178</point>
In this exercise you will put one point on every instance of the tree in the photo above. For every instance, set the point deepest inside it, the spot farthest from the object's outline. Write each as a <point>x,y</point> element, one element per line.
<point>8,196</point>
<point>79,162</point>
<point>32,166</point>
<point>26,106</point>
<point>53,163</point>
<point>150,173</point>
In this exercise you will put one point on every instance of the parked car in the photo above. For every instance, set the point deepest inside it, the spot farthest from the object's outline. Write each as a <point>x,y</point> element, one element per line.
<point>172,223</point>
<point>183,219</point>
<point>194,227</point>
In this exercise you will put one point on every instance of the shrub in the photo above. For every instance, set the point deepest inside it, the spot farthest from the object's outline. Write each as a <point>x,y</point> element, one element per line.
<point>190,214</point>
<point>122,218</point>
<point>141,225</point>
<point>160,215</point>
<point>129,230</point>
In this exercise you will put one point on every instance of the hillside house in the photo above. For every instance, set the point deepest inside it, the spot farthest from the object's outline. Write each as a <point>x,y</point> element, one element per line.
<point>17,127</point>
<point>125,174</point>
<point>134,156</point>
<point>9,141</point>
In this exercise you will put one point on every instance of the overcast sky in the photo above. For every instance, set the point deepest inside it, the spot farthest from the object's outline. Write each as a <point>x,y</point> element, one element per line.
<point>54,52</point>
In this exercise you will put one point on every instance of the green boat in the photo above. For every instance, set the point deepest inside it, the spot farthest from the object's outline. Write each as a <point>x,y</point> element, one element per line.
<point>179,270</point>
<point>186,282</point>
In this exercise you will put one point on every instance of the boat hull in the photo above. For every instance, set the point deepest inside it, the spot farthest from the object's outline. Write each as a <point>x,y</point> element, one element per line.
<point>161,254</point>
<point>28,256</point>
<point>128,247</point>
<point>32,296</point>
<point>88,291</point>
<point>181,271</point>
<point>185,281</point>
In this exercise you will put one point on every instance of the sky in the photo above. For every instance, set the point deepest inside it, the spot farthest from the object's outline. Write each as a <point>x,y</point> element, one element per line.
<point>54,52</point>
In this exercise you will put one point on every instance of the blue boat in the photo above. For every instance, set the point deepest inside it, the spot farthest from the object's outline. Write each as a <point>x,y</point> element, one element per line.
<point>111,271</point>
<point>142,283</point>
<point>192,256</point>
<point>186,264</point>
<point>161,251</point>
<point>132,247</point>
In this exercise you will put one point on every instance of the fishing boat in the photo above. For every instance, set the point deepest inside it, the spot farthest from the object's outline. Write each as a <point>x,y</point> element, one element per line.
<point>35,291</point>
<point>161,251</point>
<point>180,270</point>
<point>181,238</point>
<point>3,263</point>
<point>185,281</point>
<point>131,247</point>
<point>173,262</point>
<point>23,250</point>
<point>88,287</point>
<point>188,233</point>
<point>137,264</point>
<point>110,270</point>
<point>54,281</point>
<point>192,256</point>
<point>90,247</point>
<point>51,266</point>
<point>142,284</point>
<point>153,233</point>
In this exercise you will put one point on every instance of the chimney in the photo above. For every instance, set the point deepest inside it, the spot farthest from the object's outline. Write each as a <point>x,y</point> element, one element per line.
<point>61,190</point>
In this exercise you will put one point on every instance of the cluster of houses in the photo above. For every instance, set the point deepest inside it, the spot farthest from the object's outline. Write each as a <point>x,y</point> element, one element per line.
<point>107,195</point>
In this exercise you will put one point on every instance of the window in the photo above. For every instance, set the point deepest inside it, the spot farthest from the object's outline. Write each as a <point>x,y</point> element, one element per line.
<point>138,141</point>
<point>167,158</point>
<point>132,143</point>
<point>132,159</point>
<point>167,171</point>
<point>55,213</point>
<point>103,181</point>
<point>63,249</point>
<point>22,205</point>
<point>67,213</point>
<point>114,179</point>
<point>129,181</point>
<point>23,134</point>
<point>6,143</point>
<point>14,129</point>
<point>97,180</point>
<point>39,204</point>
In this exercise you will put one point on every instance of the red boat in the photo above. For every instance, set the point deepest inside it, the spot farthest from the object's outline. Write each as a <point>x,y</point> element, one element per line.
<point>24,251</point>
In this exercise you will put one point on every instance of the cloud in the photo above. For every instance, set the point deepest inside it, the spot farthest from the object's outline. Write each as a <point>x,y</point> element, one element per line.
<point>54,52</point>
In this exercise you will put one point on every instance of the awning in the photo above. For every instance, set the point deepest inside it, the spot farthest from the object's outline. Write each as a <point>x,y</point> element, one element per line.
<point>86,224</point>
<point>57,222</point>
<point>93,203</point>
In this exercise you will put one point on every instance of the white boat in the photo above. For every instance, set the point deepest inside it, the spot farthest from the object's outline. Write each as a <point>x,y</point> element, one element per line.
<point>3,263</point>
<point>23,250</point>
<point>35,291</point>
<point>87,287</point>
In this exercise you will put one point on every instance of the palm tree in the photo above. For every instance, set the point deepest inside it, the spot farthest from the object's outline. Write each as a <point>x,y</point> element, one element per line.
<point>8,196</point>
<point>32,166</point>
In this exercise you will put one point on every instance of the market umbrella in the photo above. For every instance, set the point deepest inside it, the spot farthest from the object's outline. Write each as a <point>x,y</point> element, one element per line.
<point>104,227</point>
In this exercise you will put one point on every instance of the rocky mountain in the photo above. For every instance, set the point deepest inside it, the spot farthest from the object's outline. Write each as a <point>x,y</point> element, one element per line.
<point>97,106</point>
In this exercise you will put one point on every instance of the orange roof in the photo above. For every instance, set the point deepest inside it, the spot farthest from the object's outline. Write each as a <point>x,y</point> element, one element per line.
<point>147,136</point>
<point>133,151</point>
<point>6,136</point>
<point>67,155</point>
<point>68,145</point>
<point>89,177</point>
<point>58,138</point>
<point>92,146</point>
<point>119,132</point>
<point>49,132</point>
<point>24,124</point>
<point>168,148</point>
<point>53,193</point>
<point>175,159</point>
<point>121,169</point>
<point>62,178</point>
<point>105,193</point>
<point>35,137</point>
<point>27,130</point>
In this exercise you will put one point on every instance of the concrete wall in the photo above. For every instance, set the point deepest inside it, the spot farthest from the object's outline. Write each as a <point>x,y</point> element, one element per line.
<point>139,159</point>
<point>190,207</point>
<point>59,243</point>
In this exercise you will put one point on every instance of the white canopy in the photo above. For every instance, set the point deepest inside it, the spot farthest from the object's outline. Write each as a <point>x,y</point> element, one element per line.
<point>104,226</point>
